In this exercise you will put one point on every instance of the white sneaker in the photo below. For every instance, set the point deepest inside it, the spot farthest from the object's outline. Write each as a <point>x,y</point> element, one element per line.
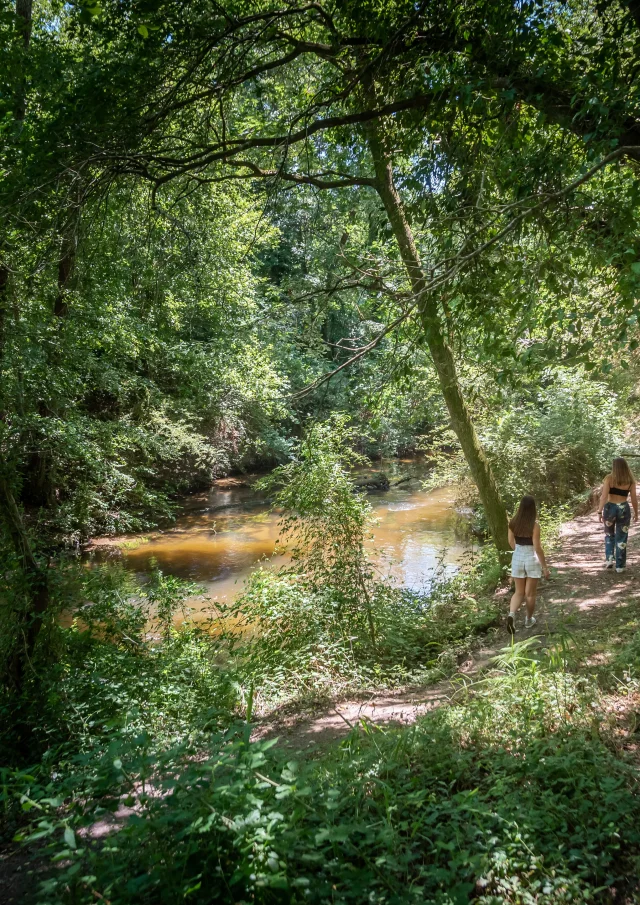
<point>529,623</point>
<point>620,570</point>
<point>608,564</point>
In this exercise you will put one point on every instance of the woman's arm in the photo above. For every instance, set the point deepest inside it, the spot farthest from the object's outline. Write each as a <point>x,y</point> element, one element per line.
<point>634,501</point>
<point>512,540</point>
<point>537,546</point>
<point>604,496</point>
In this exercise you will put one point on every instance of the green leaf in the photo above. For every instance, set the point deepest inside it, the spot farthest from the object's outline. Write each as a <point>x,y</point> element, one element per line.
<point>143,30</point>
<point>70,838</point>
<point>89,9</point>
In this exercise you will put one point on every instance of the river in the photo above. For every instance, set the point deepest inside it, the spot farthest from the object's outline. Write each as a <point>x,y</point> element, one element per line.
<point>222,535</point>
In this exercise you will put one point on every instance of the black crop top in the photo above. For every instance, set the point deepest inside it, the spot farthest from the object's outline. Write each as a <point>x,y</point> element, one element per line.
<point>617,492</point>
<point>524,541</point>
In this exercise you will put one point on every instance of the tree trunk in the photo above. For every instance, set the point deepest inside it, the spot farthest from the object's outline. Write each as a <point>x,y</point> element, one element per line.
<point>438,346</point>
<point>24,13</point>
<point>30,622</point>
<point>39,488</point>
<point>4,287</point>
<point>66,265</point>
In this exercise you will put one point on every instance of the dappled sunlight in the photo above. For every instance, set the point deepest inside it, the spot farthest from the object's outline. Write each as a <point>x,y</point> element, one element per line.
<point>581,583</point>
<point>399,709</point>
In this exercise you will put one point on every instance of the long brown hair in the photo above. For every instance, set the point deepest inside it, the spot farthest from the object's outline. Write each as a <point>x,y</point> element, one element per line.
<point>525,518</point>
<point>621,475</point>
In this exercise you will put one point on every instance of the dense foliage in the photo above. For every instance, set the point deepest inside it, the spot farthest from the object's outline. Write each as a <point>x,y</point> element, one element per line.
<point>261,235</point>
<point>482,800</point>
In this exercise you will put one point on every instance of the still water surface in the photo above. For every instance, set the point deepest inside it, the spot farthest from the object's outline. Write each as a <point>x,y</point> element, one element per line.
<point>222,535</point>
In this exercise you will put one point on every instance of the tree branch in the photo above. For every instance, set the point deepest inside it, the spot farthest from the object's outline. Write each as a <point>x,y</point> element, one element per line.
<point>217,153</point>
<point>457,262</point>
<point>317,180</point>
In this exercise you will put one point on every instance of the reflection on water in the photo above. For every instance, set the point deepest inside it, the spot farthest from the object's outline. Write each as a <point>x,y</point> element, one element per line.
<point>221,536</point>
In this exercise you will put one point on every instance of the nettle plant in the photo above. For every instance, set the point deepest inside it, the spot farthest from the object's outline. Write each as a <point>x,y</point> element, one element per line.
<point>325,522</point>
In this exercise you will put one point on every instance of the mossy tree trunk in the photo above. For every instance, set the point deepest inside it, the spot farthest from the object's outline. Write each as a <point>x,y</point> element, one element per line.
<point>439,348</point>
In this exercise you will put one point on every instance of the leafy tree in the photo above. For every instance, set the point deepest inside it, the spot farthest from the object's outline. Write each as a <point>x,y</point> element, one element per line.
<point>325,522</point>
<point>361,66</point>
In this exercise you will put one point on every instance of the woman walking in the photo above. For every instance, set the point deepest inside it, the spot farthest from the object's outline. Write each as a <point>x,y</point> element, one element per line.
<point>615,512</point>
<point>528,563</point>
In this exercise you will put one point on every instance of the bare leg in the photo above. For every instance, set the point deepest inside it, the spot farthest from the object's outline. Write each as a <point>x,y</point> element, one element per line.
<point>531,592</point>
<point>519,595</point>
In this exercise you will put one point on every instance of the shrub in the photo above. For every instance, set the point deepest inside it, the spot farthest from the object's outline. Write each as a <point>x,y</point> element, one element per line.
<point>292,641</point>
<point>555,442</point>
<point>119,667</point>
<point>558,444</point>
<point>508,796</point>
<point>325,523</point>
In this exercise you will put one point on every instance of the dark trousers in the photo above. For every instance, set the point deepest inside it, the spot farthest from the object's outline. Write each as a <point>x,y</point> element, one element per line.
<point>616,518</point>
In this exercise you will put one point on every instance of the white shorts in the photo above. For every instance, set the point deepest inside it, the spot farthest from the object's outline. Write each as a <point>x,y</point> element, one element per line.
<point>525,563</point>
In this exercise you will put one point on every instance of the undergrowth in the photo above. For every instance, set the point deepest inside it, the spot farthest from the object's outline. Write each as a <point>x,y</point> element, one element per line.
<point>289,643</point>
<point>513,793</point>
<point>146,788</point>
<point>118,667</point>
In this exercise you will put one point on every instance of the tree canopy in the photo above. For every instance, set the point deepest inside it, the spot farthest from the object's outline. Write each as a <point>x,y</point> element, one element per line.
<point>292,237</point>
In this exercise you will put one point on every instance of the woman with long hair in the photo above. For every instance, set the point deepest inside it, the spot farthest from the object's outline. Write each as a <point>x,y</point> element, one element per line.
<point>615,512</point>
<point>528,563</point>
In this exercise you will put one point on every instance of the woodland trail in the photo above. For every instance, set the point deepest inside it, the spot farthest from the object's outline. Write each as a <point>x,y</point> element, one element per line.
<point>579,595</point>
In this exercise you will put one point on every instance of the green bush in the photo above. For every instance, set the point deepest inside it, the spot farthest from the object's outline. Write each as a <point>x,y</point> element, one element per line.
<point>325,523</point>
<point>554,441</point>
<point>119,668</point>
<point>291,642</point>
<point>558,444</point>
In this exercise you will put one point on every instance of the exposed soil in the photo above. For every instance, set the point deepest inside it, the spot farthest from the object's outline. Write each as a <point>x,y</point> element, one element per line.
<point>20,870</point>
<point>579,594</point>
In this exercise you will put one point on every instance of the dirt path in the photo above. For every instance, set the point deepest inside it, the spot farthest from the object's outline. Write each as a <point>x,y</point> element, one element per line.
<point>579,593</point>
<point>582,590</point>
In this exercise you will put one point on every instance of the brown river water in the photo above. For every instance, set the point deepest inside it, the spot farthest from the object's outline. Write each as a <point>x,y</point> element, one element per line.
<point>222,535</point>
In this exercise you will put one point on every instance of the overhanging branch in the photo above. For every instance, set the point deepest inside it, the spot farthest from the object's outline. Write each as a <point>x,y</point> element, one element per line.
<point>318,180</point>
<point>454,265</point>
<point>217,152</point>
